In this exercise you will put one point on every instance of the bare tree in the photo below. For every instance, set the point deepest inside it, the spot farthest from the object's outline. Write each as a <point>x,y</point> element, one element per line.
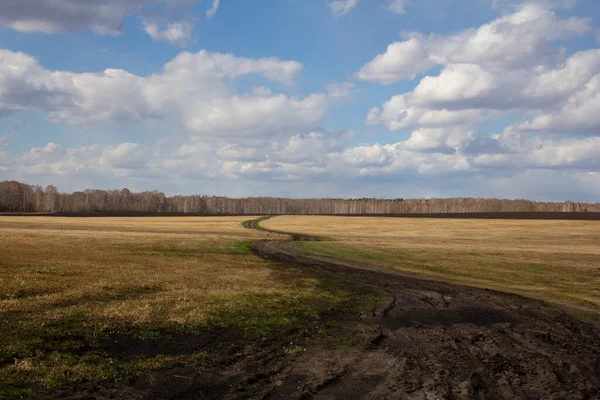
<point>20,197</point>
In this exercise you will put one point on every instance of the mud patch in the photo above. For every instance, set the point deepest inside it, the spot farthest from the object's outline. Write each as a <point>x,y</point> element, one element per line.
<point>148,343</point>
<point>446,317</point>
<point>436,340</point>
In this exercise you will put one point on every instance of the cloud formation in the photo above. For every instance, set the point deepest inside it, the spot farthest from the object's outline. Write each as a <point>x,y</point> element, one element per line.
<point>517,40</point>
<point>497,110</point>
<point>104,17</point>
<point>193,88</point>
<point>509,64</point>
<point>178,33</point>
<point>340,8</point>
<point>477,162</point>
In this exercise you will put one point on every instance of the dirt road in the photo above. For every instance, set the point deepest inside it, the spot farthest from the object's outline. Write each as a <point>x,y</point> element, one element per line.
<point>434,340</point>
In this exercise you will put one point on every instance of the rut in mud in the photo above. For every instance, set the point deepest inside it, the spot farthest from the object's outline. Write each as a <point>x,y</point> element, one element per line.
<point>434,340</point>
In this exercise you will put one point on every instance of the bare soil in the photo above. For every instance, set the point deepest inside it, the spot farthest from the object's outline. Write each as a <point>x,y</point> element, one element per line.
<point>434,340</point>
<point>428,340</point>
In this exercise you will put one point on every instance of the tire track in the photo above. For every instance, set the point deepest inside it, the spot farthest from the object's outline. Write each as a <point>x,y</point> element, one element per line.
<point>437,340</point>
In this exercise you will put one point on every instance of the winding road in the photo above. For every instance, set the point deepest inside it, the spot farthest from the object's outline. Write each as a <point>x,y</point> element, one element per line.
<point>433,340</point>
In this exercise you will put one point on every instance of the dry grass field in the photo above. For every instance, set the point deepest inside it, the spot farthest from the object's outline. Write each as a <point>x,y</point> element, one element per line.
<point>103,299</point>
<point>555,261</point>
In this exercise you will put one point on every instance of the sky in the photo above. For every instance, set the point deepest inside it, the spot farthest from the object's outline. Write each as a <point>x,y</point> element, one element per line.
<point>304,98</point>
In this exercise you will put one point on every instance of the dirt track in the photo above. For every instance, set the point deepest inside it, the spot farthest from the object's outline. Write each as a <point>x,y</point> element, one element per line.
<point>434,340</point>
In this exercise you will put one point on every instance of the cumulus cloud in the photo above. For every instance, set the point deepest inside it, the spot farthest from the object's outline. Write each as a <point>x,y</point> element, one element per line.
<point>340,8</point>
<point>577,114</point>
<point>402,60</point>
<point>178,33</point>
<point>127,156</point>
<point>256,114</point>
<point>514,41</point>
<point>509,64</point>
<point>400,112</point>
<point>439,140</point>
<point>193,88</point>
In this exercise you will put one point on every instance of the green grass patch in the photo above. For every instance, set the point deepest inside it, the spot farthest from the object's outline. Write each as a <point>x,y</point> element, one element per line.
<point>240,248</point>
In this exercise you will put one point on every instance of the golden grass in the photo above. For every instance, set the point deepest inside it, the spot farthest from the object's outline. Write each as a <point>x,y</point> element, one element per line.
<point>47,261</point>
<point>556,261</point>
<point>68,284</point>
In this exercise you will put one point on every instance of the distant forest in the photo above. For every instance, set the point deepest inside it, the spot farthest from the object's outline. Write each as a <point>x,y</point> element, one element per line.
<point>20,197</point>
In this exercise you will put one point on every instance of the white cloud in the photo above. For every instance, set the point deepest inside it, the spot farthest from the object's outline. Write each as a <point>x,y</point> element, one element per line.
<point>578,114</point>
<point>399,113</point>
<point>398,6</point>
<point>255,114</point>
<point>519,39</point>
<point>340,90</point>
<point>193,88</point>
<point>314,148</point>
<point>567,153</point>
<point>340,8</point>
<point>439,139</point>
<point>213,10</point>
<point>367,155</point>
<point>513,41</point>
<point>105,17</point>
<point>208,66</point>
<point>506,65</point>
<point>126,156</point>
<point>178,33</point>
<point>402,60</point>
<point>450,162</point>
<point>461,86</point>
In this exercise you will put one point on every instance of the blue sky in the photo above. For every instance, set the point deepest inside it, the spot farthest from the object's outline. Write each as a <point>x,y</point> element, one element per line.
<point>327,98</point>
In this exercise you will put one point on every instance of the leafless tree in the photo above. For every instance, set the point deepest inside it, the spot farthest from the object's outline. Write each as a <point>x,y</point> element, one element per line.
<point>20,197</point>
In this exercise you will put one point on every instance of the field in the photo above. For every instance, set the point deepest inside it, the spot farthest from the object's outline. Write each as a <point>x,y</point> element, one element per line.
<point>106,299</point>
<point>555,261</point>
<point>223,308</point>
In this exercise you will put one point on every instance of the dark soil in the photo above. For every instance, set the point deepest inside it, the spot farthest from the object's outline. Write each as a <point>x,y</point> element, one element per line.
<point>428,340</point>
<point>234,367</point>
<point>434,340</point>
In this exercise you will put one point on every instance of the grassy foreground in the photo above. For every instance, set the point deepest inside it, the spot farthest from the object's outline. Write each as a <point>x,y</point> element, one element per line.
<point>555,261</point>
<point>103,299</point>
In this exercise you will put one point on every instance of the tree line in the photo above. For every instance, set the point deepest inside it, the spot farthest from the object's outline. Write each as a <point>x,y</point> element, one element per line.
<point>21,197</point>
